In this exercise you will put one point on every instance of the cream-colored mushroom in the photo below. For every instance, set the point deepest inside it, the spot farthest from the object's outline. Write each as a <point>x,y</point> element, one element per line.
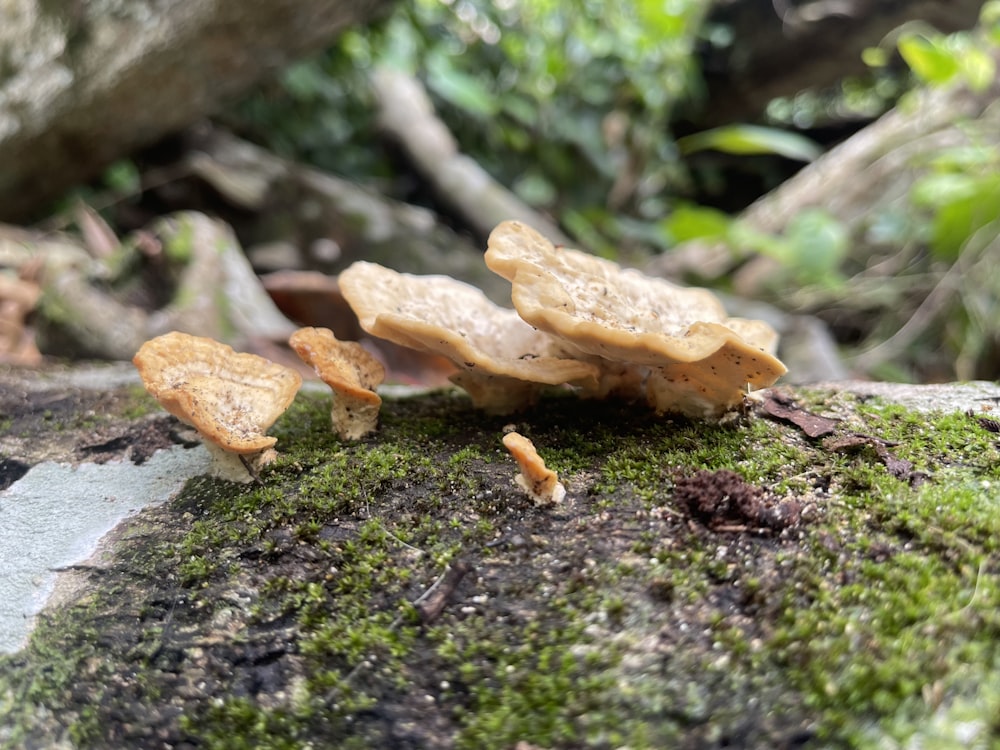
<point>352,374</point>
<point>694,358</point>
<point>230,398</point>
<point>502,361</point>
<point>541,483</point>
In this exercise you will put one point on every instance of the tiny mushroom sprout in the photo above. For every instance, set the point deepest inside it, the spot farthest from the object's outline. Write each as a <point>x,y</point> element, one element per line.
<point>230,398</point>
<point>352,374</point>
<point>541,483</point>
<point>693,358</point>
<point>502,361</point>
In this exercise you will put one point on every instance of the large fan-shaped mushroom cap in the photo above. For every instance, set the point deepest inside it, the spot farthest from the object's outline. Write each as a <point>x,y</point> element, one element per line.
<point>231,398</point>
<point>700,360</point>
<point>502,360</point>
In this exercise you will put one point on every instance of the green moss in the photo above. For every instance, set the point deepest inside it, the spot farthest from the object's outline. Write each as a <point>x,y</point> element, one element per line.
<point>138,403</point>
<point>612,620</point>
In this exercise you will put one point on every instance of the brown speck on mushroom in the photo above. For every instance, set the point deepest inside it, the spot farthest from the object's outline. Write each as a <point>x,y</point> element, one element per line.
<point>352,374</point>
<point>541,483</point>
<point>445,316</point>
<point>230,398</point>
<point>670,335</point>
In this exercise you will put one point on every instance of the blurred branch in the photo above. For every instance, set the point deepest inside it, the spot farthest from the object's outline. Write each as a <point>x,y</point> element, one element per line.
<point>407,115</point>
<point>358,223</point>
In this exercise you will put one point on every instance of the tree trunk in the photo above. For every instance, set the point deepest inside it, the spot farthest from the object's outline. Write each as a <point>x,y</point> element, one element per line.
<point>84,84</point>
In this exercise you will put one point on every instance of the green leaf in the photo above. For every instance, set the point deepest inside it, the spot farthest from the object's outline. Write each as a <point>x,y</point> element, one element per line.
<point>745,239</point>
<point>820,243</point>
<point>936,190</point>
<point>123,177</point>
<point>522,109</point>
<point>928,59</point>
<point>989,20</point>
<point>688,222</point>
<point>535,190</point>
<point>972,157</point>
<point>582,227</point>
<point>459,89</point>
<point>751,139</point>
<point>958,219</point>
<point>874,57</point>
<point>978,68</point>
<point>305,81</point>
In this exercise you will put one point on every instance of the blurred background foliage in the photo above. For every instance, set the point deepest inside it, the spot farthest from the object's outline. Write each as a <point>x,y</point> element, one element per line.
<point>569,104</point>
<point>589,111</point>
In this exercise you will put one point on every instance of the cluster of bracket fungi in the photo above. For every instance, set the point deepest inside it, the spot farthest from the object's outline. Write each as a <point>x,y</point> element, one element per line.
<point>578,321</point>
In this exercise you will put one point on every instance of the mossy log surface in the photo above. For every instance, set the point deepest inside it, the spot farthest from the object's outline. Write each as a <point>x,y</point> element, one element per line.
<point>702,585</point>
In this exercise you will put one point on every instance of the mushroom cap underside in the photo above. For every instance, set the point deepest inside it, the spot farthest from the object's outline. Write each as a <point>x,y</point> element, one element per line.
<point>454,319</point>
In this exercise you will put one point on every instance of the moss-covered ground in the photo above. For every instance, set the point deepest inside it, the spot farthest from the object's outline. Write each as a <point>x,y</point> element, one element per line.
<point>297,613</point>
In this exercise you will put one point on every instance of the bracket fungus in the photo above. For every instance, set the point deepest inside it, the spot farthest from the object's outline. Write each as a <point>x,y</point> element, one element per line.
<point>693,358</point>
<point>502,361</point>
<point>230,398</point>
<point>541,483</point>
<point>352,374</point>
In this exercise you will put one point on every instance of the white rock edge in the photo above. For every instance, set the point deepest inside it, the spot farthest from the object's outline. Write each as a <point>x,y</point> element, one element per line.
<point>56,515</point>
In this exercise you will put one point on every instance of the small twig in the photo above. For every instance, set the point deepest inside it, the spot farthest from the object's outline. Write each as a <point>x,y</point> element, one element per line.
<point>404,544</point>
<point>429,604</point>
<point>78,568</point>
<point>432,602</point>
<point>250,470</point>
<point>165,632</point>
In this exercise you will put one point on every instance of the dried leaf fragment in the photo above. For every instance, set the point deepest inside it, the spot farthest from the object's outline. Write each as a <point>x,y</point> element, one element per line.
<point>541,483</point>
<point>782,407</point>
<point>230,398</point>
<point>897,467</point>
<point>352,374</point>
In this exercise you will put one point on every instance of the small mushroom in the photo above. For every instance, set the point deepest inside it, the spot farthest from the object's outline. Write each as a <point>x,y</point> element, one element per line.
<point>230,398</point>
<point>503,362</point>
<point>541,483</point>
<point>694,358</point>
<point>352,374</point>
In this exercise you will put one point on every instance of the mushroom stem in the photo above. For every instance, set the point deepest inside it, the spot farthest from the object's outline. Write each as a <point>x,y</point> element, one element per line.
<point>352,374</point>
<point>233,467</point>
<point>497,394</point>
<point>353,419</point>
<point>541,483</point>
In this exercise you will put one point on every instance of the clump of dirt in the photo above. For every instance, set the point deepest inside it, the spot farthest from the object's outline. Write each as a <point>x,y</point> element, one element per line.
<point>725,501</point>
<point>134,441</point>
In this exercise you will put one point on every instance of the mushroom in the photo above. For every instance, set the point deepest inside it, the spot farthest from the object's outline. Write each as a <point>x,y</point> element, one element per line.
<point>503,362</point>
<point>541,483</point>
<point>352,374</point>
<point>694,358</point>
<point>230,398</point>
